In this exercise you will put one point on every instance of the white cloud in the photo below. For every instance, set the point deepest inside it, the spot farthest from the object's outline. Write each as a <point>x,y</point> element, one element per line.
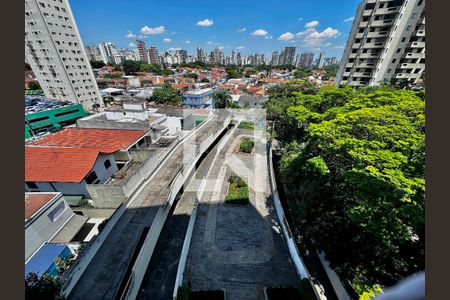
<point>210,43</point>
<point>242,29</point>
<point>286,36</point>
<point>240,47</point>
<point>220,47</point>
<point>205,22</point>
<point>130,35</point>
<point>259,32</point>
<point>313,38</point>
<point>156,30</point>
<point>142,36</point>
<point>167,40</point>
<point>349,19</point>
<point>173,49</point>
<point>131,44</point>
<point>188,42</point>
<point>300,19</point>
<point>268,37</point>
<point>312,24</point>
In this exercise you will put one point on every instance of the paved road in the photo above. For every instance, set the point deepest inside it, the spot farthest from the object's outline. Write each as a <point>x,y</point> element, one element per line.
<point>239,248</point>
<point>162,270</point>
<point>106,271</point>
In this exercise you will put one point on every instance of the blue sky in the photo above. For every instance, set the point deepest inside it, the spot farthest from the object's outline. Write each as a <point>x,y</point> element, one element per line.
<point>247,25</point>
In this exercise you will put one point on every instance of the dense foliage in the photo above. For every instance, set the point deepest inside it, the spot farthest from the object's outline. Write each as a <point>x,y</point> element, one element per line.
<point>44,287</point>
<point>34,85</point>
<point>353,169</point>
<point>237,191</point>
<point>97,64</point>
<point>246,145</point>
<point>221,99</point>
<point>167,95</point>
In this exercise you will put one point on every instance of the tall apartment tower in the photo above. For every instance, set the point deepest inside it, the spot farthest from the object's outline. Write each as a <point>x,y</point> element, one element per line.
<point>107,52</point>
<point>275,58</point>
<point>56,54</point>
<point>386,42</point>
<point>143,55</point>
<point>306,60</point>
<point>153,55</point>
<point>201,55</point>
<point>321,60</point>
<point>289,55</point>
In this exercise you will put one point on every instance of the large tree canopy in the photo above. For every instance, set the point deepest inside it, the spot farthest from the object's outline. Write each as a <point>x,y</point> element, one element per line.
<point>167,95</point>
<point>354,175</point>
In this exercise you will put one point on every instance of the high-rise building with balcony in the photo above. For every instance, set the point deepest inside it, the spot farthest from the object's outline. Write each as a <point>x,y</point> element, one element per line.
<point>56,54</point>
<point>143,55</point>
<point>321,60</point>
<point>107,52</point>
<point>275,58</point>
<point>153,55</point>
<point>289,55</point>
<point>386,43</point>
<point>306,60</point>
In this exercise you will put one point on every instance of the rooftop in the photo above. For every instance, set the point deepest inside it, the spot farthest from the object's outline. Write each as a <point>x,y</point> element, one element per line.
<point>49,164</point>
<point>38,103</point>
<point>100,140</point>
<point>35,201</point>
<point>199,92</point>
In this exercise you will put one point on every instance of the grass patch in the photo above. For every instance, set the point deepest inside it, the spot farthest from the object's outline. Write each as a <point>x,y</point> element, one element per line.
<point>237,191</point>
<point>246,125</point>
<point>246,145</point>
<point>303,291</point>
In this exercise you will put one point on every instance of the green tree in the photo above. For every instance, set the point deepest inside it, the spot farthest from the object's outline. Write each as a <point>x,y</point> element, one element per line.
<point>232,72</point>
<point>221,99</point>
<point>167,95</point>
<point>97,64</point>
<point>302,73</point>
<point>130,67</point>
<point>113,76</point>
<point>34,85</point>
<point>44,287</point>
<point>204,79</point>
<point>192,75</point>
<point>354,161</point>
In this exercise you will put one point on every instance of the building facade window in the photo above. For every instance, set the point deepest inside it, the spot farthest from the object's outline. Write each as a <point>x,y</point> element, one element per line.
<point>31,185</point>
<point>107,164</point>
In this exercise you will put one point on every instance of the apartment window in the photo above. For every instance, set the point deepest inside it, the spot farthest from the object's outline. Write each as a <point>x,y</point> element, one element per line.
<point>92,176</point>
<point>403,39</point>
<point>419,3</point>
<point>372,29</point>
<point>42,4</point>
<point>381,5</point>
<point>365,19</point>
<point>408,28</point>
<point>57,8</point>
<point>414,16</point>
<point>57,211</point>
<point>107,164</point>
<point>361,30</point>
<point>354,50</point>
<point>370,6</point>
<point>31,185</point>
<point>394,60</point>
<point>398,50</point>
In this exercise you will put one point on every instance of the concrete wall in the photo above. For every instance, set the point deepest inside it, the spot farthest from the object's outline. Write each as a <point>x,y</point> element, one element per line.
<point>41,228</point>
<point>338,287</point>
<point>97,213</point>
<point>106,196</point>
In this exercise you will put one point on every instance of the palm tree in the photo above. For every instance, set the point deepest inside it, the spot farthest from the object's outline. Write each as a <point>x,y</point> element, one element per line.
<point>221,99</point>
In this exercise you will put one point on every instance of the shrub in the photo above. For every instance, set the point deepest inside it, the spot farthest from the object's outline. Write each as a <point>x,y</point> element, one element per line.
<point>237,191</point>
<point>246,125</point>
<point>246,145</point>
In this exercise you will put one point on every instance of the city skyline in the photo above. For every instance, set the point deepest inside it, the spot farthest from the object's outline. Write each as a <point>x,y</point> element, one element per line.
<point>247,27</point>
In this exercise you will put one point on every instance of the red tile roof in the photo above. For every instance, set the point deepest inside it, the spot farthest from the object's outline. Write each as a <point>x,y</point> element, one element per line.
<point>102,140</point>
<point>48,164</point>
<point>35,201</point>
<point>179,85</point>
